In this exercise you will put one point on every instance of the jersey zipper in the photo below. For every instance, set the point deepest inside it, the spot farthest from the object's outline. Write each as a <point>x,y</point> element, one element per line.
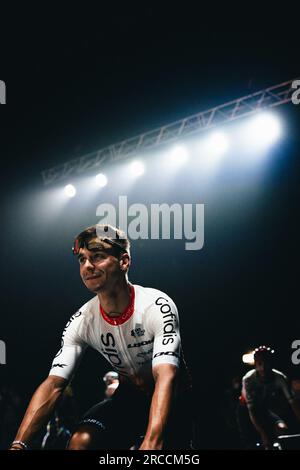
<point>128,357</point>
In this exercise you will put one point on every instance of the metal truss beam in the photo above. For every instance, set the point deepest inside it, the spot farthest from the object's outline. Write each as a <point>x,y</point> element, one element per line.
<point>247,105</point>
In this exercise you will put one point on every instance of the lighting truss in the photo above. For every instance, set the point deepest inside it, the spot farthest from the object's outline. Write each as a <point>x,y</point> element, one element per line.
<point>247,105</point>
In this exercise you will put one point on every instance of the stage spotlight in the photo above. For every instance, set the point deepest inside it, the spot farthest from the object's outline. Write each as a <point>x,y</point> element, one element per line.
<point>70,190</point>
<point>264,129</point>
<point>210,152</point>
<point>248,358</point>
<point>178,155</point>
<point>218,142</point>
<point>101,180</point>
<point>137,168</point>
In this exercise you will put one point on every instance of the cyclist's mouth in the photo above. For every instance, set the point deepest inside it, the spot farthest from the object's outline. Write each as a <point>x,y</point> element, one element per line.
<point>95,276</point>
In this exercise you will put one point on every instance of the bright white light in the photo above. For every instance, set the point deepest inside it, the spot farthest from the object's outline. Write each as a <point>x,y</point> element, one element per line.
<point>137,168</point>
<point>248,358</point>
<point>178,155</point>
<point>101,180</point>
<point>264,129</point>
<point>70,190</point>
<point>210,152</point>
<point>219,143</point>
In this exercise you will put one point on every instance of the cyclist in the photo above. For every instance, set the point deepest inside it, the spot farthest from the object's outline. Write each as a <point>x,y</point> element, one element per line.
<point>137,330</point>
<point>264,401</point>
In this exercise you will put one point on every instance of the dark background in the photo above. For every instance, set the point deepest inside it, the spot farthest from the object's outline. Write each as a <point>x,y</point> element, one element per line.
<point>79,80</point>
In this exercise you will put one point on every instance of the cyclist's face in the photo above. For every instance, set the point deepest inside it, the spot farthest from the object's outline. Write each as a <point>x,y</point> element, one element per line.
<point>262,367</point>
<point>98,268</point>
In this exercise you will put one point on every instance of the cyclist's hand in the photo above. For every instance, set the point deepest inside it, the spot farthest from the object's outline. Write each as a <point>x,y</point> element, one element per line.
<point>147,445</point>
<point>267,444</point>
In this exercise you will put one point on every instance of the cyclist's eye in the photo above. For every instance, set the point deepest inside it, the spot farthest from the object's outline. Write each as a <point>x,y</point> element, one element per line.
<point>81,260</point>
<point>97,257</point>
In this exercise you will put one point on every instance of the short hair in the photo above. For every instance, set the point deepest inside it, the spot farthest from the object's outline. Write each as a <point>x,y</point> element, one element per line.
<point>107,234</point>
<point>263,352</point>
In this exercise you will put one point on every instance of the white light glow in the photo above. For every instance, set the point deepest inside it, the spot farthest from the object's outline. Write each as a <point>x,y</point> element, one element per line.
<point>248,358</point>
<point>178,155</point>
<point>219,143</point>
<point>137,168</point>
<point>211,152</point>
<point>101,180</point>
<point>264,129</point>
<point>70,190</point>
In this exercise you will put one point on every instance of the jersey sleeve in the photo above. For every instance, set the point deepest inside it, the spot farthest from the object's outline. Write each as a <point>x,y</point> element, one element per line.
<point>164,324</point>
<point>248,392</point>
<point>285,387</point>
<point>72,348</point>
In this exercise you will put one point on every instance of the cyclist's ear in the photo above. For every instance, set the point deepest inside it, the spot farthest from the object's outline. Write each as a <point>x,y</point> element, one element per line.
<point>124,262</point>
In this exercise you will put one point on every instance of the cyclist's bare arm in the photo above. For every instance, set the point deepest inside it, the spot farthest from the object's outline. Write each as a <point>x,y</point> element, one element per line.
<point>165,376</point>
<point>40,408</point>
<point>260,429</point>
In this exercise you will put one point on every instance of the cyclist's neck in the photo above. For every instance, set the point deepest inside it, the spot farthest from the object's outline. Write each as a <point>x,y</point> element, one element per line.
<point>115,299</point>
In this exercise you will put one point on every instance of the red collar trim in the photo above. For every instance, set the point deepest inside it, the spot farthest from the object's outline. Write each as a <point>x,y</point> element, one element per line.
<point>125,315</point>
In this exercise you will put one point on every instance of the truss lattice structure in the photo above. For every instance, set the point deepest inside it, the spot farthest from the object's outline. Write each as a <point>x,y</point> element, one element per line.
<point>268,98</point>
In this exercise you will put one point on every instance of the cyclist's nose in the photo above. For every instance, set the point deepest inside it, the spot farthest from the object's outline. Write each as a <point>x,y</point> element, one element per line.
<point>88,264</point>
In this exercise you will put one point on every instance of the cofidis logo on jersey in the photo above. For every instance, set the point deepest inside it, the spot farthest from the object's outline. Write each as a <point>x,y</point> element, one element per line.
<point>2,92</point>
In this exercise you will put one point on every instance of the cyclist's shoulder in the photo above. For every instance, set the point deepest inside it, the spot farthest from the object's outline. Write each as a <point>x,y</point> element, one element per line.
<point>90,306</point>
<point>148,296</point>
<point>250,375</point>
<point>279,375</point>
<point>84,312</point>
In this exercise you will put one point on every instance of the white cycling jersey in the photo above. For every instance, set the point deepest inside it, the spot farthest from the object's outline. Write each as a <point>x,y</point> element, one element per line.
<point>146,334</point>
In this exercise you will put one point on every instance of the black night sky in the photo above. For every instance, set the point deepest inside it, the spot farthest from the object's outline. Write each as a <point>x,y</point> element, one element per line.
<point>78,81</point>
